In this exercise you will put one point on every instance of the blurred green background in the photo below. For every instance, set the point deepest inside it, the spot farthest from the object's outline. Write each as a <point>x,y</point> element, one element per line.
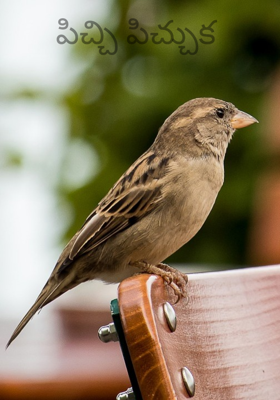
<point>118,102</point>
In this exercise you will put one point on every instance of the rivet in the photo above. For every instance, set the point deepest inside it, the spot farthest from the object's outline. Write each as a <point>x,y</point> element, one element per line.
<point>127,395</point>
<point>188,380</point>
<point>170,316</point>
<point>108,333</point>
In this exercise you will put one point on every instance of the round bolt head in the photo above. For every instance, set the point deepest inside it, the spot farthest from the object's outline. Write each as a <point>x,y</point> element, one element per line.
<point>108,333</point>
<point>170,316</point>
<point>188,380</point>
<point>127,395</point>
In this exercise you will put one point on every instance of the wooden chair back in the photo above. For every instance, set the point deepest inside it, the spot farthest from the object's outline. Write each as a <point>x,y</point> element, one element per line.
<point>227,335</point>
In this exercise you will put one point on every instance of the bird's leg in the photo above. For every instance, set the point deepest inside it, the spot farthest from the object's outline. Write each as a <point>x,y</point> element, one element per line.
<point>178,276</point>
<point>174,278</point>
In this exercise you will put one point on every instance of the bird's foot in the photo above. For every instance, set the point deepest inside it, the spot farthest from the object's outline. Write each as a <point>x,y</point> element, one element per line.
<point>174,278</point>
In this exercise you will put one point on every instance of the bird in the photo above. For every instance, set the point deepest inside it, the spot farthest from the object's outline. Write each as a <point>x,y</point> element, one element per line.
<point>155,207</point>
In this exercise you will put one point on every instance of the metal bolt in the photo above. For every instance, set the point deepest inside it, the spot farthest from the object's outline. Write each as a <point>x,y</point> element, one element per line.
<point>170,316</point>
<point>127,395</point>
<point>188,380</point>
<point>108,333</point>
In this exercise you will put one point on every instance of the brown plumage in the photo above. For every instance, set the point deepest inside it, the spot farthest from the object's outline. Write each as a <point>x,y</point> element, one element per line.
<point>157,206</point>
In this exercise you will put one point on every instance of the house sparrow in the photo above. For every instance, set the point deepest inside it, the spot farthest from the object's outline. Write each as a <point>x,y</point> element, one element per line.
<point>156,206</point>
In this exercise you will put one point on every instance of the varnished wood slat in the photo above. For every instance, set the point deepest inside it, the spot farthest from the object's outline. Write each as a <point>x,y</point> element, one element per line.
<point>228,335</point>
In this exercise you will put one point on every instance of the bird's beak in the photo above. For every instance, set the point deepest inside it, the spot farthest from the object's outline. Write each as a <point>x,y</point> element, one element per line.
<point>242,119</point>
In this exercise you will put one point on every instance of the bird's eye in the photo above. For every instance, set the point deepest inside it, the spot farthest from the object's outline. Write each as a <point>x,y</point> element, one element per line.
<point>220,112</point>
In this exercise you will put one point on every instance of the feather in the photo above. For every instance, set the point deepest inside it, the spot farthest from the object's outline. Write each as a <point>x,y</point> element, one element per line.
<point>47,295</point>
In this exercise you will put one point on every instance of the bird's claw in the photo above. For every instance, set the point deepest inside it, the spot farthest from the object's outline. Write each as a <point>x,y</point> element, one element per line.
<point>174,278</point>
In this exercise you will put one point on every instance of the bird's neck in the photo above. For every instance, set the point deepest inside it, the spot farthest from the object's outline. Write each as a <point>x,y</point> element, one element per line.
<point>217,149</point>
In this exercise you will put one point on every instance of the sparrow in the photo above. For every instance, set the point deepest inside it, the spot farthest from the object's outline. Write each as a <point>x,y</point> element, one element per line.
<point>156,206</point>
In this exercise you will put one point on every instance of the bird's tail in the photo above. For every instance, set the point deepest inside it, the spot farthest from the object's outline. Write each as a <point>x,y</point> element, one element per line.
<point>50,291</point>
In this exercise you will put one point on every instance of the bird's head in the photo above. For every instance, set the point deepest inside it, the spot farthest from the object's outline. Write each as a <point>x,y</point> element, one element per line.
<point>203,126</point>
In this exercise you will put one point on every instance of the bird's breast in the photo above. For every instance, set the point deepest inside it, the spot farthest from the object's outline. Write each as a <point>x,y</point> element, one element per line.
<point>189,196</point>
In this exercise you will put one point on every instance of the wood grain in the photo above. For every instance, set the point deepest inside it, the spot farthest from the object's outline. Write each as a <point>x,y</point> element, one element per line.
<point>228,335</point>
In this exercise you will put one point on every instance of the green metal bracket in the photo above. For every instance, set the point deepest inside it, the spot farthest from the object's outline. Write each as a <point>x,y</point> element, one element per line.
<point>115,311</point>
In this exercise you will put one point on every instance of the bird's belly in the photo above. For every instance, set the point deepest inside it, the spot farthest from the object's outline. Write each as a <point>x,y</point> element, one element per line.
<point>174,233</point>
<point>173,226</point>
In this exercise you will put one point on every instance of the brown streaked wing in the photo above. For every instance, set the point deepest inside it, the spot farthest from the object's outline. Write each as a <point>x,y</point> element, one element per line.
<point>114,216</point>
<point>89,229</point>
<point>134,195</point>
<point>132,203</point>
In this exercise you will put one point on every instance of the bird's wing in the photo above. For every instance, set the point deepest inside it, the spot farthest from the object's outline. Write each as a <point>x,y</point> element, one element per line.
<point>118,215</point>
<point>135,195</point>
